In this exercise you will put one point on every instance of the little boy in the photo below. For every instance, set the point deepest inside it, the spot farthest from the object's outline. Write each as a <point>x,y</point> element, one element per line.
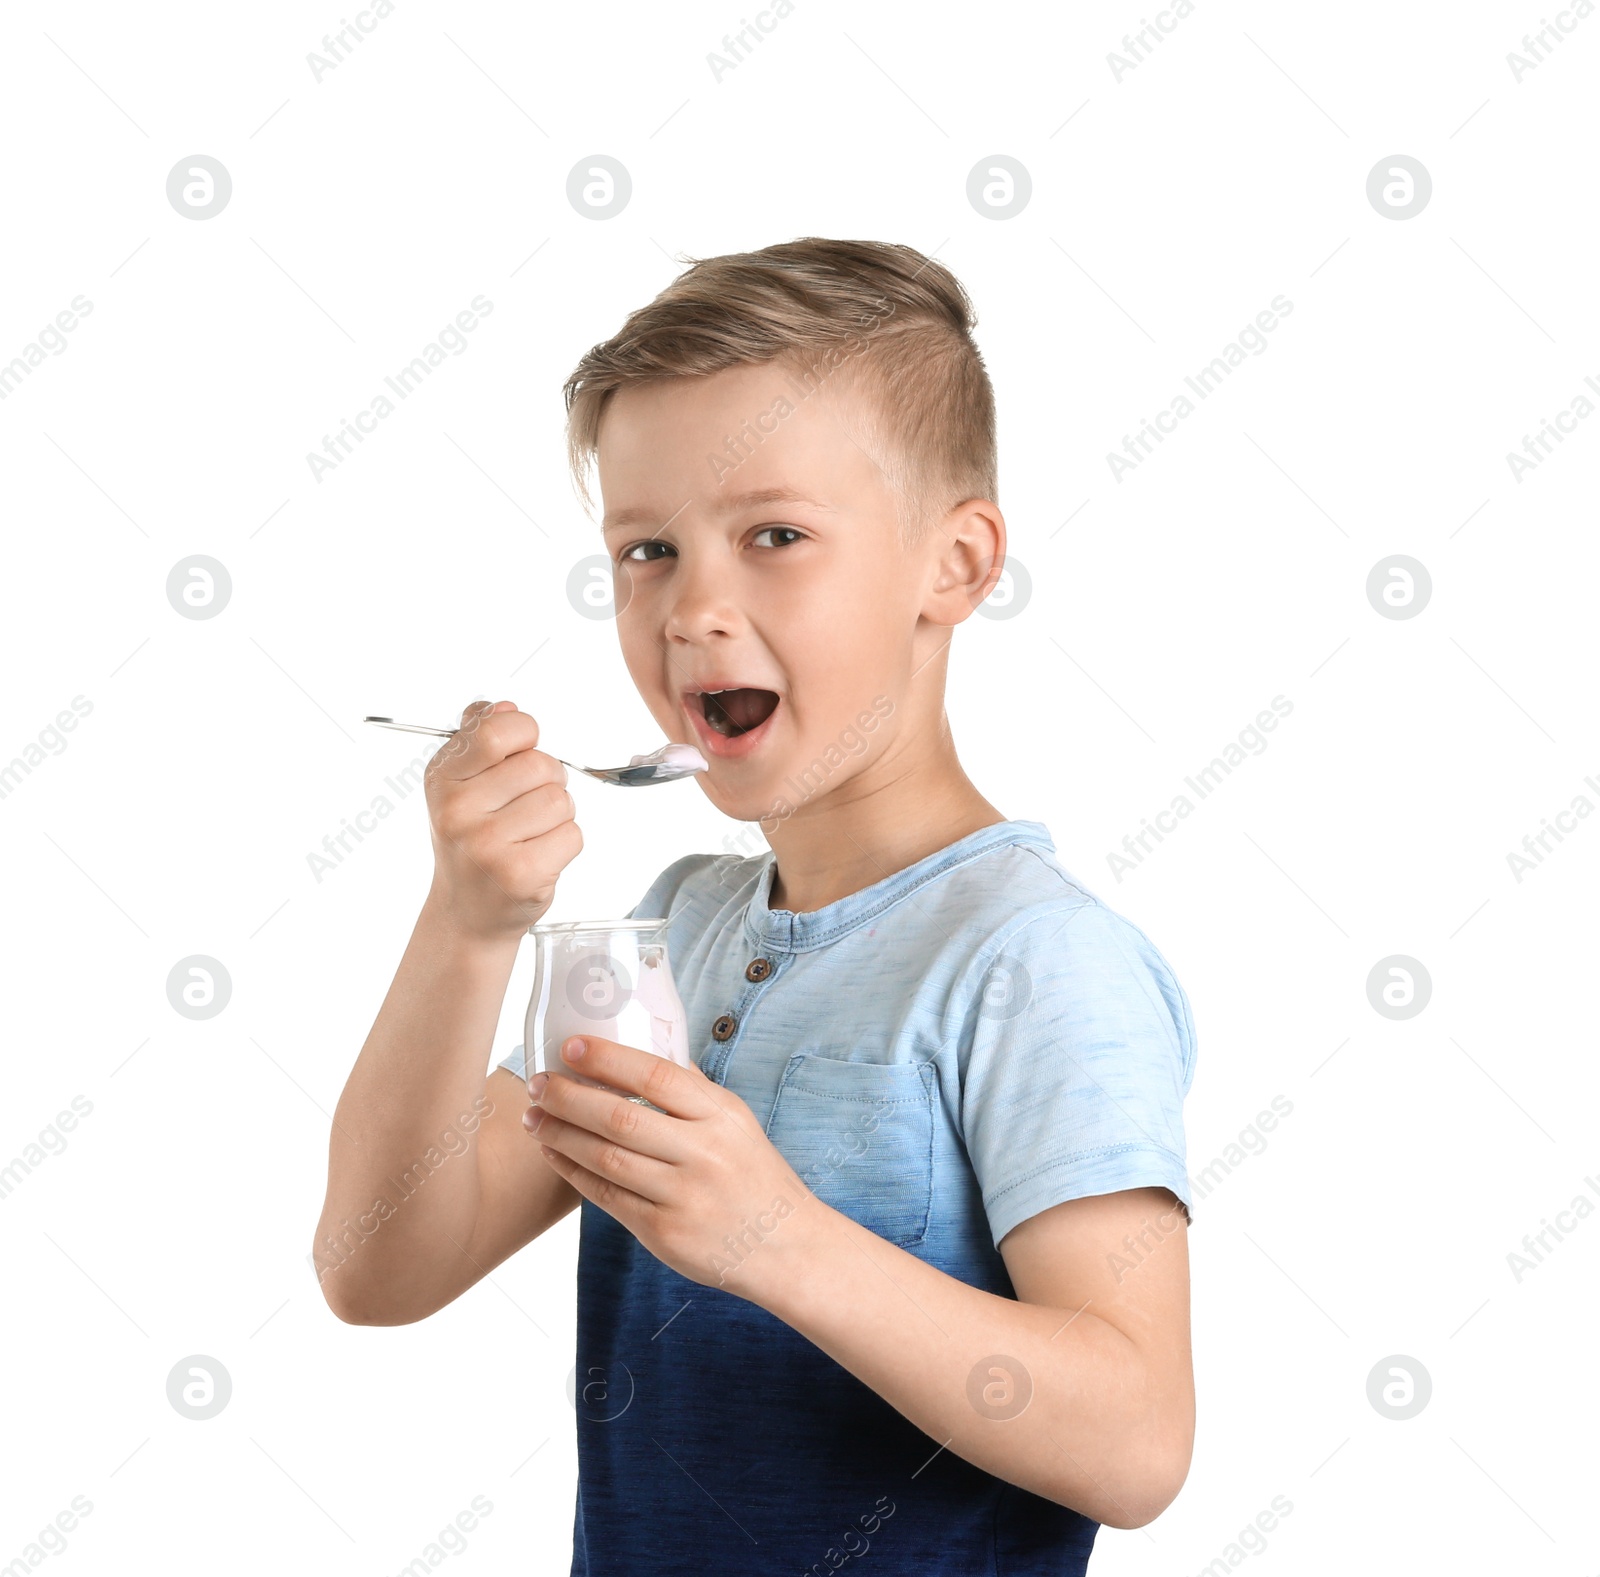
<point>900,1265</point>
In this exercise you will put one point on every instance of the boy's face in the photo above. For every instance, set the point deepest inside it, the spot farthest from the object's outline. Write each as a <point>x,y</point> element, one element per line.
<point>778,573</point>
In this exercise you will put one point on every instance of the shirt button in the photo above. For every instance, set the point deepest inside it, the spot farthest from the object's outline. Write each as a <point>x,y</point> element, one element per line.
<point>723,1028</point>
<point>757,969</point>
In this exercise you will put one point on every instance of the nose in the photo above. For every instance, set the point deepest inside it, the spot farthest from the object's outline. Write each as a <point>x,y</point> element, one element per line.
<point>702,602</point>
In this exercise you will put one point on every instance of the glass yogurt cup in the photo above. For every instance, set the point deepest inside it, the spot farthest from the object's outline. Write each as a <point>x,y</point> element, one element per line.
<point>610,978</point>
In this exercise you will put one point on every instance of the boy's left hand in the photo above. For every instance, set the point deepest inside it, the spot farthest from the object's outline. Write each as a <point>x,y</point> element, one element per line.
<point>698,1183</point>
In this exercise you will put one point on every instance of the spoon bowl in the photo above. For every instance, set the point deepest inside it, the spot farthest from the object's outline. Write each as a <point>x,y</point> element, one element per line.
<point>665,765</point>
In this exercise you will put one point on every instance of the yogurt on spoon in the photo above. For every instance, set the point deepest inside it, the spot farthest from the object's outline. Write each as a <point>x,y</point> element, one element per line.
<point>676,759</point>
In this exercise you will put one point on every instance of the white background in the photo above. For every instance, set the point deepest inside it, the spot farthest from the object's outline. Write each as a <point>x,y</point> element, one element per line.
<point>1167,609</point>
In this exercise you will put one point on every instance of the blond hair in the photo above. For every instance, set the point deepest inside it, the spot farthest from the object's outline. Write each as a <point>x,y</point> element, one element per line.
<point>880,317</point>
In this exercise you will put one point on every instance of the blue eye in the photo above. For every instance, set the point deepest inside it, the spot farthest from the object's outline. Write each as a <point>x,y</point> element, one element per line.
<point>796,535</point>
<point>642,558</point>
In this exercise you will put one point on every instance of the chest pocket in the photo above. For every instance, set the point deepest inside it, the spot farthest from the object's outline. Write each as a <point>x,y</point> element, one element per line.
<point>860,1134</point>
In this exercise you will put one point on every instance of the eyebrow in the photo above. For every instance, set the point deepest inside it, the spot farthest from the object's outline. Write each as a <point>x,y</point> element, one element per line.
<point>754,499</point>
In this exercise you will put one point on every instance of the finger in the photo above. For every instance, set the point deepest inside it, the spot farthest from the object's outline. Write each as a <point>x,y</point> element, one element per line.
<point>622,1204</point>
<point>473,716</point>
<point>533,814</point>
<point>608,1160</point>
<point>678,1091</point>
<point>481,709</point>
<point>502,784</point>
<point>485,739</point>
<point>611,1116</point>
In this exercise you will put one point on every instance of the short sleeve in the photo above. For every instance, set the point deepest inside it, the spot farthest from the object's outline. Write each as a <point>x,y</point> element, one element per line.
<point>655,902</point>
<point>1082,1051</point>
<point>514,1062</point>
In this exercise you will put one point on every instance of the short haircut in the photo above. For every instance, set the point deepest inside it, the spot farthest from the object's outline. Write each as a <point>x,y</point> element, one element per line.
<point>882,318</point>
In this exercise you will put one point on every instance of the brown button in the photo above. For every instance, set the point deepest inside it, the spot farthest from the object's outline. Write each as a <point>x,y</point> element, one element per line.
<point>723,1028</point>
<point>757,969</point>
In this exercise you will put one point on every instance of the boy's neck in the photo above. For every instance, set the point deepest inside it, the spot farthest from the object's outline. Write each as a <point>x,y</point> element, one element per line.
<point>849,841</point>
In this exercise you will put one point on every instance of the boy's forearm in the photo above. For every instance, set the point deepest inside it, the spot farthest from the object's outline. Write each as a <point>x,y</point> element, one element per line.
<point>418,1075</point>
<point>1055,1402</point>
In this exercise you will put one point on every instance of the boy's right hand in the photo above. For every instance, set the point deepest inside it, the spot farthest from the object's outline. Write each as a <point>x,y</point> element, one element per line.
<point>502,822</point>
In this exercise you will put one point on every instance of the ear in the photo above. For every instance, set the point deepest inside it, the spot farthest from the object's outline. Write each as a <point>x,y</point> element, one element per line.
<point>968,550</point>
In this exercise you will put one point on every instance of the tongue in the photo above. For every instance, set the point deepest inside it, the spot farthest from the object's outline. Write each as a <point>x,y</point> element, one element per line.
<point>747,709</point>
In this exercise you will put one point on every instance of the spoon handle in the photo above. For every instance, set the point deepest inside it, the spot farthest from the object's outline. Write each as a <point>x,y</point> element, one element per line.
<point>446,733</point>
<point>409,728</point>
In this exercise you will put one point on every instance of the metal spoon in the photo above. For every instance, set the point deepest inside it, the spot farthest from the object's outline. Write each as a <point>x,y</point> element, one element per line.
<point>642,772</point>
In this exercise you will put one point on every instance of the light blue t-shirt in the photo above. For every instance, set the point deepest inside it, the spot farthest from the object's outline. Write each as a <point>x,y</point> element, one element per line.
<point>939,1056</point>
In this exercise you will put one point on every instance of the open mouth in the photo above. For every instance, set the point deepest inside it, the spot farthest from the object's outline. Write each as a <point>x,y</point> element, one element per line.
<point>735,712</point>
<point>731,721</point>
